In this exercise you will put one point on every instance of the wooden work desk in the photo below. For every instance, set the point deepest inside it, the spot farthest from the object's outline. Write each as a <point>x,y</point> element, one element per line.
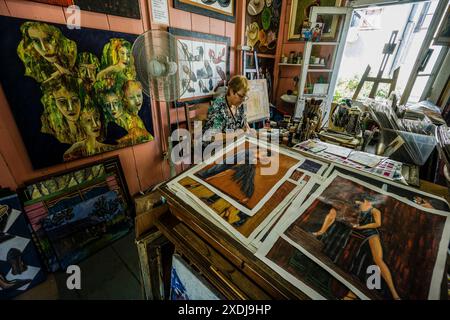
<point>225,262</point>
<point>228,265</point>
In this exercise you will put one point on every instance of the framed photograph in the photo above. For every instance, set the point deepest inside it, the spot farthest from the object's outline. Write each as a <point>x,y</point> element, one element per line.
<point>220,9</point>
<point>299,19</point>
<point>443,35</point>
<point>205,64</point>
<point>76,98</point>
<point>77,212</point>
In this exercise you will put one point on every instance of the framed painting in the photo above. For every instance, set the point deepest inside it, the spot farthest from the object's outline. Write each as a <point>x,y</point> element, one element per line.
<point>443,34</point>
<point>77,212</point>
<point>207,67</point>
<point>82,95</point>
<point>64,3</point>
<point>123,8</point>
<point>20,266</point>
<point>217,9</point>
<point>348,227</point>
<point>299,16</point>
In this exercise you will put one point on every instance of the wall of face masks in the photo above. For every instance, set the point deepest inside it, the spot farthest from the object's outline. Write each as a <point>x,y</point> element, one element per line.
<point>73,93</point>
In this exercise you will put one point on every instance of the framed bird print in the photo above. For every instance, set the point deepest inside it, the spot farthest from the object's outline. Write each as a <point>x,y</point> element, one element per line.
<point>218,9</point>
<point>205,63</point>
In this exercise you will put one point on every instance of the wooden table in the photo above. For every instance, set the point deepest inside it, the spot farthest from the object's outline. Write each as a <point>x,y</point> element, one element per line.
<point>222,260</point>
<point>225,262</point>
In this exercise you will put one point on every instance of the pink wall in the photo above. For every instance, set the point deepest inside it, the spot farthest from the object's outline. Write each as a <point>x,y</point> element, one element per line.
<point>143,164</point>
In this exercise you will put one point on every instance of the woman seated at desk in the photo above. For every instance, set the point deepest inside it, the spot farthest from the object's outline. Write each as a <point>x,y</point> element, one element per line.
<point>227,112</point>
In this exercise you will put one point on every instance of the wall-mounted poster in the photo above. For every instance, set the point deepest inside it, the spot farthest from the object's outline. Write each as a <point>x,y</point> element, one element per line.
<point>73,93</point>
<point>218,9</point>
<point>20,267</point>
<point>78,212</point>
<point>208,66</point>
<point>123,8</point>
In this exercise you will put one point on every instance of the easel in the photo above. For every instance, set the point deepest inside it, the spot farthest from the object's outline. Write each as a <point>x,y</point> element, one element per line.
<point>388,49</point>
<point>250,73</point>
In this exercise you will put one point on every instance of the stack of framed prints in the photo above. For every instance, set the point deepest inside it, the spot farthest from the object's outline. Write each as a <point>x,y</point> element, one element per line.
<point>246,187</point>
<point>361,237</point>
<point>76,213</point>
<point>20,266</point>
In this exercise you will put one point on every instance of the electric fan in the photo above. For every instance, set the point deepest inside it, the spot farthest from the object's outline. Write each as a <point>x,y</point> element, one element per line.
<point>160,60</point>
<point>163,66</point>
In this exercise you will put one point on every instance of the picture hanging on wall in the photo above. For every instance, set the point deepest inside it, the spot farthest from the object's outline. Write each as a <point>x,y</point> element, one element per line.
<point>73,93</point>
<point>123,8</point>
<point>217,9</point>
<point>78,212</point>
<point>299,19</point>
<point>208,66</point>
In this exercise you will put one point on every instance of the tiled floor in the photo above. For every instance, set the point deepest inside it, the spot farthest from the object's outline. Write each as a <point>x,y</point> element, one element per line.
<point>112,273</point>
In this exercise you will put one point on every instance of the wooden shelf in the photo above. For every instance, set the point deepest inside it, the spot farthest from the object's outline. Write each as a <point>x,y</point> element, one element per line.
<point>290,64</point>
<point>325,43</point>
<point>320,70</point>
<point>262,55</point>
<point>312,95</point>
